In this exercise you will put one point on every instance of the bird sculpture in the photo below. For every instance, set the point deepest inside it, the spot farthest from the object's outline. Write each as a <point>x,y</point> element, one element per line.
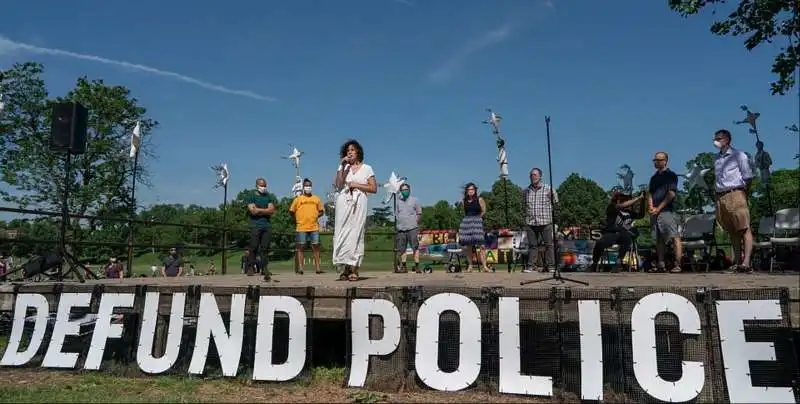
<point>696,177</point>
<point>393,186</point>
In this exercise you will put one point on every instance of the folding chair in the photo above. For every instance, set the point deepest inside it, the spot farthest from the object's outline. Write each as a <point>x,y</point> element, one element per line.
<point>762,244</point>
<point>519,249</point>
<point>698,234</point>
<point>787,231</point>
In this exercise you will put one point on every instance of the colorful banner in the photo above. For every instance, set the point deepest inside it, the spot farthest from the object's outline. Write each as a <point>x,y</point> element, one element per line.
<point>575,246</point>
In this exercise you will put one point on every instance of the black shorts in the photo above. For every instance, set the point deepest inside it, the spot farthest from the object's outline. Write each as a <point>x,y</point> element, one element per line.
<point>406,237</point>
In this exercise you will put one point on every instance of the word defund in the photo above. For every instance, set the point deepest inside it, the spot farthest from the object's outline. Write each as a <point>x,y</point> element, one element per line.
<point>737,352</point>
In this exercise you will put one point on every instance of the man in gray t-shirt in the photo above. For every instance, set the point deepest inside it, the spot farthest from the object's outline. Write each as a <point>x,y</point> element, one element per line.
<point>407,214</point>
<point>173,266</point>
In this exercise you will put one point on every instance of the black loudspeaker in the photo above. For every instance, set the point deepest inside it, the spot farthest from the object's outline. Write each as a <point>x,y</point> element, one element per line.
<point>68,132</point>
<point>41,264</point>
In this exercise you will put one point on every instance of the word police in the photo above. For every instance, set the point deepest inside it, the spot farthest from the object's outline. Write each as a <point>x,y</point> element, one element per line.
<point>229,338</point>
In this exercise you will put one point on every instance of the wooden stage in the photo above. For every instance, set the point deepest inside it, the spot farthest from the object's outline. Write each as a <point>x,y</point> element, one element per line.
<point>331,292</point>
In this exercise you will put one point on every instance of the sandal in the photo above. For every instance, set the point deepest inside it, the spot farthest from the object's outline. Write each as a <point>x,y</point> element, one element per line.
<point>352,277</point>
<point>732,269</point>
<point>676,270</point>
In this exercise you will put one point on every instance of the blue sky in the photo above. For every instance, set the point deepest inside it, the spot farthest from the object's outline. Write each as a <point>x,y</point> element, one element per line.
<point>410,79</point>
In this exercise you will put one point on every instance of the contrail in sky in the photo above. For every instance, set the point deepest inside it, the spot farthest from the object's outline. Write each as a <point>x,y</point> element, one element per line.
<point>7,45</point>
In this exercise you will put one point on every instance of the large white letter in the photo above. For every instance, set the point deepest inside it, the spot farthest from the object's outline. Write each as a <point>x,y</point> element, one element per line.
<point>24,301</point>
<point>511,380</point>
<point>591,330</point>
<point>54,358</point>
<point>210,325</point>
<point>263,368</point>
<point>737,352</point>
<point>469,352</point>
<point>103,329</point>
<point>144,353</point>
<point>362,347</point>
<point>643,329</point>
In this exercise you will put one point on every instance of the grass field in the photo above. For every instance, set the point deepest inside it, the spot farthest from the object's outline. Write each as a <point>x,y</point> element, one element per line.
<point>326,386</point>
<point>380,260</point>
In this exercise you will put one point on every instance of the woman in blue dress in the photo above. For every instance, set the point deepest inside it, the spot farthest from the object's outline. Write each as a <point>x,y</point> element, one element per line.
<point>470,233</point>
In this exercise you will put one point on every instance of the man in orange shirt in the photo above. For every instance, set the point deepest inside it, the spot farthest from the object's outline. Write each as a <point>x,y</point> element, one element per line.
<point>306,210</point>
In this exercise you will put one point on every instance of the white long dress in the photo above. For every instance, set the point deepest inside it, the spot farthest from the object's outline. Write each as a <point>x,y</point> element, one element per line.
<point>351,219</point>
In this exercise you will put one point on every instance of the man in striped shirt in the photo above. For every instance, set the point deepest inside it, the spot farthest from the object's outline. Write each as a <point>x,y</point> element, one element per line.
<point>536,200</point>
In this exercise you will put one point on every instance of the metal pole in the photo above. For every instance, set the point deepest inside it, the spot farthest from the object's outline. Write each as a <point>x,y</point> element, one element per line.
<point>65,210</point>
<point>225,229</point>
<point>396,251</point>
<point>557,274</point>
<point>132,213</point>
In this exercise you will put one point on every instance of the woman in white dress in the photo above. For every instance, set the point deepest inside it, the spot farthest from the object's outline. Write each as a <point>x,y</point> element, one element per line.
<point>354,182</point>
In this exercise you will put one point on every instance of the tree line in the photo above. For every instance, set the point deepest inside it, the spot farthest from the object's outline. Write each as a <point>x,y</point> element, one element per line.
<point>100,183</point>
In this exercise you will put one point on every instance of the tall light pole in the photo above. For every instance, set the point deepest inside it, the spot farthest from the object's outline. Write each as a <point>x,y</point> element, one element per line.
<point>222,182</point>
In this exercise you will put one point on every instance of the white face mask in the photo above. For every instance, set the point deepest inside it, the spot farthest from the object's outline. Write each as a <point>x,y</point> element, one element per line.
<point>262,190</point>
<point>718,144</point>
<point>307,190</point>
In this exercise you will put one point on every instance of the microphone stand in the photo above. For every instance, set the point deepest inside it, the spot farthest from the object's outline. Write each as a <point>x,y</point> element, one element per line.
<point>557,274</point>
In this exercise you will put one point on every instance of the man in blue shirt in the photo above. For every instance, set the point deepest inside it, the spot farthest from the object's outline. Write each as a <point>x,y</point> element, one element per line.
<point>662,192</point>
<point>732,178</point>
<point>260,207</point>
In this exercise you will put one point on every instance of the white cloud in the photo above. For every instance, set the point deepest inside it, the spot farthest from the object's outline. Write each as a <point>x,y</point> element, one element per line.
<point>452,65</point>
<point>7,46</point>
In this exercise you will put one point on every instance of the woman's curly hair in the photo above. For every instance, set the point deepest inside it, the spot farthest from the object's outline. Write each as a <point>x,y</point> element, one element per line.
<point>354,143</point>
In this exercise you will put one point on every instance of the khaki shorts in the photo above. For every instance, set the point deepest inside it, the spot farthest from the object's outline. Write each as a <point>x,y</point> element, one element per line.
<point>733,213</point>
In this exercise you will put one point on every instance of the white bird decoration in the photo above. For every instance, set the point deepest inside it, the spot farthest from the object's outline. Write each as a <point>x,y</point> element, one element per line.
<point>393,186</point>
<point>297,188</point>
<point>696,177</point>
<point>626,178</point>
<point>749,119</point>
<point>136,139</point>
<point>494,120</point>
<point>222,175</point>
<point>295,156</point>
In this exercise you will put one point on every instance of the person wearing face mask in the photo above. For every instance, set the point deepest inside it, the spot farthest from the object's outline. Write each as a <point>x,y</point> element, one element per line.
<point>663,189</point>
<point>732,177</point>
<point>306,210</point>
<point>354,181</point>
<point>470,231</point>
<point>537,203</point>
<point>407,216</point>
<point>260,207</point>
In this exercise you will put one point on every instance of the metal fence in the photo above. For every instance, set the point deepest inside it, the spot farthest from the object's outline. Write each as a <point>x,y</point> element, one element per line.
<point>549,335</point>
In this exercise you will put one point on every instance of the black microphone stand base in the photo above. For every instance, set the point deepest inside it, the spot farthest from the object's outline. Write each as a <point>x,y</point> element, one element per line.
<point>556,277</point>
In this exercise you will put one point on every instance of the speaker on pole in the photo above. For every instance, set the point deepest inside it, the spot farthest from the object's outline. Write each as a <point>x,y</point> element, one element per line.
<point>68,130</point>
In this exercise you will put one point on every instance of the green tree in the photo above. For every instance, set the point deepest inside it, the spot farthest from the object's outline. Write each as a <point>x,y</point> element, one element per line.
<point>381,217</point>
<point>698,199</point>
<point>775,22</point>
<point>784,192</point>
<point>440,216</point>
<point>100,178</point>
<point>503,195</point>
<point>581,201</point>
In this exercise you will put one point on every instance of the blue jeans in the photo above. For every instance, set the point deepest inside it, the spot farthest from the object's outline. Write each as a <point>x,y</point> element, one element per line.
<point>303,237</point>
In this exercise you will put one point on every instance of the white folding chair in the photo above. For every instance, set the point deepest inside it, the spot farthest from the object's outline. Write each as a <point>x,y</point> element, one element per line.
<point>698,234</point>
<point>787,230</point>
<point>519,248</point>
